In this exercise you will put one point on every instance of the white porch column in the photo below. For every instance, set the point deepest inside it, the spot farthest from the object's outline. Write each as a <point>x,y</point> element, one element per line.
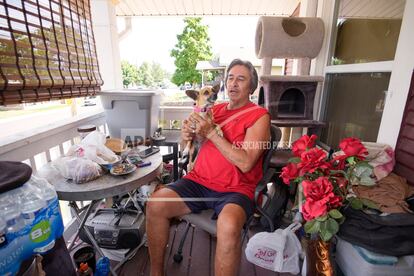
<point>400,80</point>
<point>106,40</point>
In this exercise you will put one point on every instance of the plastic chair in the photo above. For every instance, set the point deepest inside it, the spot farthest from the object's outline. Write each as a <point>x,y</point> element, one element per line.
<point>203,220</point>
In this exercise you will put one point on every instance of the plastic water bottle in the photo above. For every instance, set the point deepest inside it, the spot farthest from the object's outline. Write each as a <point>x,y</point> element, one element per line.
<point>12,216</point>
<point>46,191</point>
<point>3,227</point>
<point>31,206</point>
<point>85,270</point>
<point>102,267</point>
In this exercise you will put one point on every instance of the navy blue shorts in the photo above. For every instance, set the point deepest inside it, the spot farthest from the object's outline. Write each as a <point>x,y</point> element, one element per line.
<point>198,198</point>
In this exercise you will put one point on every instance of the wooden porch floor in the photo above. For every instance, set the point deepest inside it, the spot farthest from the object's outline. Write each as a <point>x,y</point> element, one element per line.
<point>198,253</point>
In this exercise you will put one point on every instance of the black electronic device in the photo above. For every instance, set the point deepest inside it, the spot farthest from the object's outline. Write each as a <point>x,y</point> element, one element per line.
<point>148,152</point>
<point>115,228</point>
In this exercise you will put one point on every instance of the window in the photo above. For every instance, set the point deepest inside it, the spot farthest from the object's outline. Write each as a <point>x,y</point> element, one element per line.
<point>366,31</point>
<point>354,106</point>
<point>47,51</point>
<point>363,46</point>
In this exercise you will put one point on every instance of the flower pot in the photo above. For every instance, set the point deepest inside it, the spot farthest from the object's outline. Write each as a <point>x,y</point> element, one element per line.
<point>318,257</point>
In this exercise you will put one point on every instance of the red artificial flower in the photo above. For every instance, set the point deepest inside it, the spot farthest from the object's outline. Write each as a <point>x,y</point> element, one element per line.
<point>313,209</point>
<point>339,161</point>
<point>289,172</point>
<point>318,194</point>
<point>353,147</point>
<point>312,160</point>
<point>335,202</point>
<point>303,144</point>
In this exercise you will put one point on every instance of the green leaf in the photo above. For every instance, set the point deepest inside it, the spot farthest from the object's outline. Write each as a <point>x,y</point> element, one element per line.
<point>363,164</point>
<point>356,203</point>
<point>369,203</point>
<point>351,160</point>
<point>362,176</point>
<point>294,160</point>
<point>332,226</point>
<point>323,218</point>
<point>334,213</point>
<point>312,227</point>
<point>325,232</point>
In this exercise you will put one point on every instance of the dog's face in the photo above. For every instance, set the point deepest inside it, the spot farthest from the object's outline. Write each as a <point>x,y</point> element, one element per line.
<point>207,95</point>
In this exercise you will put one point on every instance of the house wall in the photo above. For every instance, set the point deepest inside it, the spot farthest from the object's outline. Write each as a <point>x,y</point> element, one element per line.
<point>400,80</point>
<point>107,46</point>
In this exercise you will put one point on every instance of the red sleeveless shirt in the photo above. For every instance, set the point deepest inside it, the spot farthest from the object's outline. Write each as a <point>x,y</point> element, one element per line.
<point>212,169</point>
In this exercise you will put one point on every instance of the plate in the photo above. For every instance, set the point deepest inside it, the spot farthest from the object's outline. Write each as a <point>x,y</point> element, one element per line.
<point>122,169</point>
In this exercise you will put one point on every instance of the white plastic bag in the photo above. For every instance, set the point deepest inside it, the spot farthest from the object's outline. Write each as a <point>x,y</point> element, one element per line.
<point>277,251</point>
<point>93,147</point>
<point>80,170</point>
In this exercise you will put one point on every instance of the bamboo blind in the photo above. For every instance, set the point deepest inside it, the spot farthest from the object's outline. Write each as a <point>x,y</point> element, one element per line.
<point>47,51</point>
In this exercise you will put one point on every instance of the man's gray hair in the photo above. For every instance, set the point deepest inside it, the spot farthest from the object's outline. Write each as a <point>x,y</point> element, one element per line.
<point>254,79</point>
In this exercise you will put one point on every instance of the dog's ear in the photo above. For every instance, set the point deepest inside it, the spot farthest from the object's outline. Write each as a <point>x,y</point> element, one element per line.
<point>193,94</point>
<point>216,88</point>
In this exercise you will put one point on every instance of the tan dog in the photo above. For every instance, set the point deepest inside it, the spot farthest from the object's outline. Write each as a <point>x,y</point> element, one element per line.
<point>204,101</point>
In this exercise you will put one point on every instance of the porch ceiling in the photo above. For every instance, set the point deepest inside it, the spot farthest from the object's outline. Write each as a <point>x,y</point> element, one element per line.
<point>204,7</point>
<point>372,9</point>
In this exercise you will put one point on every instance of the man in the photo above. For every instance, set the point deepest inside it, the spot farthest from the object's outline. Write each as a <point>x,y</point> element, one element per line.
<point>226,172</point>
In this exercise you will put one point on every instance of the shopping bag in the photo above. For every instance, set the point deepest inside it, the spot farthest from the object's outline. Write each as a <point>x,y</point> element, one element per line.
<point>277,251</point>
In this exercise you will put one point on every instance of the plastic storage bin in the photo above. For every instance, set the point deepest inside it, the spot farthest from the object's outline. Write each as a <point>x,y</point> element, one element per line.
<point>131,114</point>
<point>353,264</point>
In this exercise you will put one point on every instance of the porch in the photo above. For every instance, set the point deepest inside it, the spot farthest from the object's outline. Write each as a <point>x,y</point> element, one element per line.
<point>50,142</point>
<point>198,253</point>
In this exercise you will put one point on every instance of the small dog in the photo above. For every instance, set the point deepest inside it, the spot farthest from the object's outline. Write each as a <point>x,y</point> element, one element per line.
<point>204,100</point>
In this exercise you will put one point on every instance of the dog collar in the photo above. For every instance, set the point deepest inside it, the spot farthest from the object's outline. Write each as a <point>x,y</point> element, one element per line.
<point>201,109</point>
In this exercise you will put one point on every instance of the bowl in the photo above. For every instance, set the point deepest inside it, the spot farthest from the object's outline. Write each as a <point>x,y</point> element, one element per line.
<point>116,145</point>
<point>108,166</point>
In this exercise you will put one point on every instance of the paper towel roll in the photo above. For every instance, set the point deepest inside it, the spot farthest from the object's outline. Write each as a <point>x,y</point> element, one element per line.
<point>289,37</point>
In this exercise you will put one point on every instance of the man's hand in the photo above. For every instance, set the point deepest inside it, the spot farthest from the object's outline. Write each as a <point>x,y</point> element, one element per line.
<point>202,126</point>
<point>187,131</point>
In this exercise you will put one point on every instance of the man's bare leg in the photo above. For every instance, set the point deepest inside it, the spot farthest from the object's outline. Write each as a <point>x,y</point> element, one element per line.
<point>228,251</point>
<point>158,215</point>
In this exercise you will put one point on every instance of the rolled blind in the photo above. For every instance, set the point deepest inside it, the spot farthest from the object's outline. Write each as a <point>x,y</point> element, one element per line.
<point>47,51</point>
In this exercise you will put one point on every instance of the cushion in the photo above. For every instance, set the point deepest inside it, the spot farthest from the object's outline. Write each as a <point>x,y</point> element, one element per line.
<point>13,175</point>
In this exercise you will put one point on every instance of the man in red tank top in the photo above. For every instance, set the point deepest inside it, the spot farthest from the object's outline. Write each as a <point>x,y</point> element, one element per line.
<point>224,176</point>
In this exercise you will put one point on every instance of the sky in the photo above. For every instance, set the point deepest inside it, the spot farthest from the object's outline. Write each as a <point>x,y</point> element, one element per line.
<point>152,38</point>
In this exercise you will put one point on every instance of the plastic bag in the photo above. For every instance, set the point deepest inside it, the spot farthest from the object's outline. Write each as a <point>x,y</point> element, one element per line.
<point>80,170</point>
<point>93,147</point>
<point>381,157</point>
<point>277,251</point>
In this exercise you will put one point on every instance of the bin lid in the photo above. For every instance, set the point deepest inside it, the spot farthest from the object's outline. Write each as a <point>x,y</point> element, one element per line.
<point>131,92</point>
<point>13,175</point>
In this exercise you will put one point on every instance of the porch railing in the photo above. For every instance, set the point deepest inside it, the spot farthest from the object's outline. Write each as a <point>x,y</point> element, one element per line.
<point>45,144</point>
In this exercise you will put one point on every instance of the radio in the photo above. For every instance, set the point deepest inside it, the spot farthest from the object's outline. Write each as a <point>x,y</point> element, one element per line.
<point>115,228</point>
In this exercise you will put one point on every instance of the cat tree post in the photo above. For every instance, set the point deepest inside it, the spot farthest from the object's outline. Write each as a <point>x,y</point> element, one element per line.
<point>289,99</point>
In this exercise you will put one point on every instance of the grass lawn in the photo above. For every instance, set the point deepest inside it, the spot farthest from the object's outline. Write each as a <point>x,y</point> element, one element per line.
<point>14,113</point>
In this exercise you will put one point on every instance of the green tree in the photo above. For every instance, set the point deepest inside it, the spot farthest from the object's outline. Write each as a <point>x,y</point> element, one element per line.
<point>129,73</point>
<point>193,45</point>
<point>145,74</point>
<point>158,74</point>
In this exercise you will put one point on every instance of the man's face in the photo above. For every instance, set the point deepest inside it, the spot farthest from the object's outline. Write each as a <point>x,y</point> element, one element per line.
<point>238,83</point>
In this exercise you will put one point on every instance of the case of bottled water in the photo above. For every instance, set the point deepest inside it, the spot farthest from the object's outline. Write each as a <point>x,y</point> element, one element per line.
<point>30,223</point>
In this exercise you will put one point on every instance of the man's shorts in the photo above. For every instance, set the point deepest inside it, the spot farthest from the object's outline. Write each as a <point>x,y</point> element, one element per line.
<point>198,198</point>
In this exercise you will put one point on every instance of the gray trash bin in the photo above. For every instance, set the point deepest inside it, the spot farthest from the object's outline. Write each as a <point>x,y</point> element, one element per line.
<point>131,114</point>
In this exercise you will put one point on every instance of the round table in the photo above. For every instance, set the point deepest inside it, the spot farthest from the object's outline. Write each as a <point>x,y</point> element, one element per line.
<point>103,187</point>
